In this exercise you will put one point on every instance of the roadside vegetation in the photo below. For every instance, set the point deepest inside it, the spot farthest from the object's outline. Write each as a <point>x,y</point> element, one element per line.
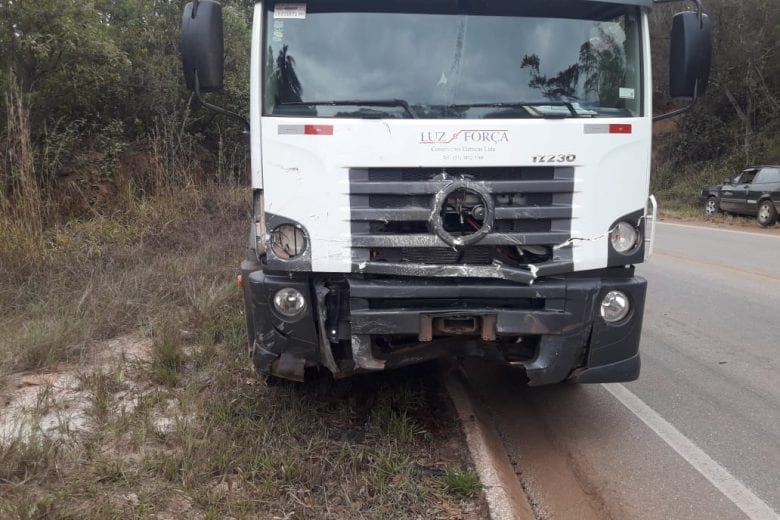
<point>126,390</point>
<point>737,123</point>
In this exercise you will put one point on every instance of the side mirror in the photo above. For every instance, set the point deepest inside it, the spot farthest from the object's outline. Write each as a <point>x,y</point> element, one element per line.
<point>691,55</point>
<point>726,181</point>
<point>203,45</point>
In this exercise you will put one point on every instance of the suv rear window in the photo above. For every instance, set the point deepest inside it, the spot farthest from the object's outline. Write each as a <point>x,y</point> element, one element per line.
<point>767,175</point>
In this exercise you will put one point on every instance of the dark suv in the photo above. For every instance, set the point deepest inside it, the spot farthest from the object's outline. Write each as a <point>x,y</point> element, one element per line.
<point>755,192</point>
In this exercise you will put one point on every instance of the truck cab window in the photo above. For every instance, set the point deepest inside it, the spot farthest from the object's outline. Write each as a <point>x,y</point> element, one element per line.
<point>444,64</point>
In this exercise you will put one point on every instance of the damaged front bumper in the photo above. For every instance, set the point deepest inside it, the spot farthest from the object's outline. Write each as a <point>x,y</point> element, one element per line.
<point>356,323</point>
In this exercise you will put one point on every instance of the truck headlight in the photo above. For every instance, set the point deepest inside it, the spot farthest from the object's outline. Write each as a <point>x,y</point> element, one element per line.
<point>289,302</point>
<point>288,241</point>
<point>615,306</point>
<point>624,238</point>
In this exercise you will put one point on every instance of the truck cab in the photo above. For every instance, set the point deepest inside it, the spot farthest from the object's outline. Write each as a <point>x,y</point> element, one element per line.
<point>451,178</point>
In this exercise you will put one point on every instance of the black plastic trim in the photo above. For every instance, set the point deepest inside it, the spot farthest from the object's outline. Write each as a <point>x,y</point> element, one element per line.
<point>301,263</point>
<point>495,271</point>
<point>433,187</point>
<point>270,335</point>
<point>491,239</point>
<point>637,255</point>
<point>560,314</point>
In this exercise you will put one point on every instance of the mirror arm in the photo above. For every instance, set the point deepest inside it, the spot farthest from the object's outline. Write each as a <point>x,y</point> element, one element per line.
<point>699,10</point>
<point>682,110</point>
<point>215,108</point>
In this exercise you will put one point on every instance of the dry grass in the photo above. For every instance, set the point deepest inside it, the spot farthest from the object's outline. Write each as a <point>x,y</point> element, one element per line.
<point>183,428</point>
<point>17,172</point>
<point>96,279</point>
<point>125,386</point>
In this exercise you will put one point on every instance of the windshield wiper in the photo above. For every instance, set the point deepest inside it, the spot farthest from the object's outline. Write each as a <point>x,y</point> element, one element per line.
<point>523,104</point>
<point>358,102</point>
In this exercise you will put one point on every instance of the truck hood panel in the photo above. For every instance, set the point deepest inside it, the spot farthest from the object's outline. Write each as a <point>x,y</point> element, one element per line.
<point>316,172</point>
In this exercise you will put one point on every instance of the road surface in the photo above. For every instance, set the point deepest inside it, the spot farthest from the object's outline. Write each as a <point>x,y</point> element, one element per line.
<point>698,436</point>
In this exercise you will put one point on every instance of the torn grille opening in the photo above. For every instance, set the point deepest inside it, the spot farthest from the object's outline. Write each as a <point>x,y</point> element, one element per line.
<point>461,304</point>
<point>399,227</point>
<point>512,348</point>
<point>463,212</point>
<point>391,211</point>
<point>475,255</point>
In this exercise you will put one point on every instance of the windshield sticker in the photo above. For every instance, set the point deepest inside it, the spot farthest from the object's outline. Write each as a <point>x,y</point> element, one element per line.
<point>278,35</point>
<point>290,11</point>
<point>626,93</point>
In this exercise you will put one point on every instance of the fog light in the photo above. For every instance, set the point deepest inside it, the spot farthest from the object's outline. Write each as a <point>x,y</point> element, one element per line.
<point>614,306</point>
<point>624,237</point>
<point>289,302</point>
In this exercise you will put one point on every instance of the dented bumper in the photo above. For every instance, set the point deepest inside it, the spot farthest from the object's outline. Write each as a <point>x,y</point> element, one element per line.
<point>355,323</point>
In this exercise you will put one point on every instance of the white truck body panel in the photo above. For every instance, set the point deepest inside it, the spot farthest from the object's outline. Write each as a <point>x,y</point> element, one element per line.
<point>305,177</point>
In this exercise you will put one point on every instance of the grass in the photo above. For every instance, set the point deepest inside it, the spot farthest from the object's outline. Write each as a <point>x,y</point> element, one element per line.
<point>186,428</point>
<point>22,460</point>
<point>125,319</point>
<point>93,280</point>
<point>463,483</point>
<point>168,358</point>
<point>678,188</point>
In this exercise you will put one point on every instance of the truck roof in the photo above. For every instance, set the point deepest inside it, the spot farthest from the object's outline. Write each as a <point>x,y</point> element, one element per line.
<point>640,3</point>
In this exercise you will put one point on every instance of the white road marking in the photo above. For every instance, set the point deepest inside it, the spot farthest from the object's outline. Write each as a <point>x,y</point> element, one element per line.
<point>708,228</point>
<point>733,489</point>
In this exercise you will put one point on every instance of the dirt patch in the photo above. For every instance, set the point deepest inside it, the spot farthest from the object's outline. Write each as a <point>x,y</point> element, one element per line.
<point>59,402</point>
<point>215,441</point>
<point>178,424</point>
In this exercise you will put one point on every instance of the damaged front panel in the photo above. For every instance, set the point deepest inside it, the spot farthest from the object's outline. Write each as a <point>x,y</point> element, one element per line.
<point>279,345</point>
<point>356,324</point>
<point>501,223</point>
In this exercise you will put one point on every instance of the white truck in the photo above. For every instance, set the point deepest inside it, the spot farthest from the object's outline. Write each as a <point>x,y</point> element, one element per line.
<point>449,178</point>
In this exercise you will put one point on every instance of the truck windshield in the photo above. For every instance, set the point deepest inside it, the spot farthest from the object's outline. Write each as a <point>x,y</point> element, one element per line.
<point>510,60</point>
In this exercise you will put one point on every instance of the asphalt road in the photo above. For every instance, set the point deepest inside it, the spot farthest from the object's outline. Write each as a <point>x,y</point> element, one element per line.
<point>698,435</point>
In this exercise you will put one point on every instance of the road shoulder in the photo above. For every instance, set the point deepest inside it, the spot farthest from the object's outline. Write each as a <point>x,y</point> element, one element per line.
<point>503,493</point>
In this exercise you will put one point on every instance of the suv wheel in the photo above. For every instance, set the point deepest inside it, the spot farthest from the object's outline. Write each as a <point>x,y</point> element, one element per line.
<point>711,207</point>
<point>767,215</point>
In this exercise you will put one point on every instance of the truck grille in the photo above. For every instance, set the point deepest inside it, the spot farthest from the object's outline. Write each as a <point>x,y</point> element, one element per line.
<point>391,209</point>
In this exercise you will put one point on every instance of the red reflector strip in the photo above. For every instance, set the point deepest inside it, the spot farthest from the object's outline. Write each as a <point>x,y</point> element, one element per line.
<point>318,129</point>
<point>620,129</point>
